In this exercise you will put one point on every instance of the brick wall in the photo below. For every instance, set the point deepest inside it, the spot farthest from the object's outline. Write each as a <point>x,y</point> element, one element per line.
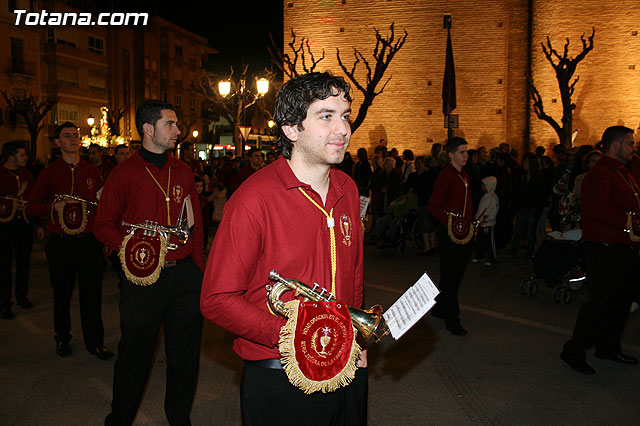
<point>490,52</point>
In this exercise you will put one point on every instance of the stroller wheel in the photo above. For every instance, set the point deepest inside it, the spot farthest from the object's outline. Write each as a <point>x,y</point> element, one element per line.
<point>533,288</point>
<point>566,296</point>
<point>557,294</point>
<point>524,287</point>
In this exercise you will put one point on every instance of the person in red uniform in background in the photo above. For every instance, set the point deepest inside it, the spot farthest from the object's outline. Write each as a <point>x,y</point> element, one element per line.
<point>152,186</point>
<point>188,155</point>
<point>94,154</point>
<point>71,254</point>
<point>16,182</point>
<point>256,161</point>
<point>608,192</point>
<point>451,194</point>
<point>278,219</point>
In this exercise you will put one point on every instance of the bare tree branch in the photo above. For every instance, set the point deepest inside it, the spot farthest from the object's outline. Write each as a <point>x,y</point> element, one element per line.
<point>383,54</point>
<point>33,110</point>
<point>564,67</point>
<point>289,66</point>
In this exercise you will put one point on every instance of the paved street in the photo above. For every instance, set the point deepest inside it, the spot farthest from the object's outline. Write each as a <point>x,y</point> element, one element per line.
<point>507,371</point>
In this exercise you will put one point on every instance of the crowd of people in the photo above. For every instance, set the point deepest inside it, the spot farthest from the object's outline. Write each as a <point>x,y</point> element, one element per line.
<point>265,217</point>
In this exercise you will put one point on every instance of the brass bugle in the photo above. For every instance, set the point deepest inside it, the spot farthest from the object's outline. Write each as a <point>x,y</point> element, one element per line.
<point>181,231</point>
<point>22,202</point>
<point>369,323</point>
<point>71,197</point>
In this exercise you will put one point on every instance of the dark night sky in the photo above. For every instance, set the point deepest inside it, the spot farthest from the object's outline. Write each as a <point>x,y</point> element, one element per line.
<point>239,29</point>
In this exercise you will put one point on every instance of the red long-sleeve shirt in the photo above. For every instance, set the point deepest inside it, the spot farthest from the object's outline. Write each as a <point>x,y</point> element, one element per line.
<point>60,178</point>
<point>131,195</point>
<point>269,224</point>
<point>12,181</point>
<point>607,195</point>
<point>450,191</point>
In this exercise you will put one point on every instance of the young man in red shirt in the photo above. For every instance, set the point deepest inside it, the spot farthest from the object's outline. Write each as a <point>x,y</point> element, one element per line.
<point>72,252</point>
<point>608,193</point>
<point>16,183</point>
<point>282,218</point>
<point>451,200</point>
<point>152,186</point>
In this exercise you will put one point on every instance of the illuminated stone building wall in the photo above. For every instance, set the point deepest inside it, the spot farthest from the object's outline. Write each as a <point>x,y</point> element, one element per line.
<point>490,48</point>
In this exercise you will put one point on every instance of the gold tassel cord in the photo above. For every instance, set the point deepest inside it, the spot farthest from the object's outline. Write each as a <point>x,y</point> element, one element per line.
<point>332,235</point>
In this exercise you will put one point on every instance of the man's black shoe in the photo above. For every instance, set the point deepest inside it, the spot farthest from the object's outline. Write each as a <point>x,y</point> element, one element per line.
<point>619,357</point>
<point>101,352</point>
<point>25,303</point>
<point>63,348</point>
<point>5,312</point>
<point>456,328</point>
<point>580,365</point>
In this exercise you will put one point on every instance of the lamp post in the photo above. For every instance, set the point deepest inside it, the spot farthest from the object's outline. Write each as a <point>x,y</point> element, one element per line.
<point>91,121</point>
<point>243,98</point>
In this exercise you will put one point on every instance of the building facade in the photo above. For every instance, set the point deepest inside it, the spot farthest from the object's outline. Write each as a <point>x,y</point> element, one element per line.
<point>494,43</point>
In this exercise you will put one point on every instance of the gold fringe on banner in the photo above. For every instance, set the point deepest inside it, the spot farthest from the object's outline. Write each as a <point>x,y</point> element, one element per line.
<point>149,279</point>
<point>632,235</point>
<point>14,208</point>
<point>76,231</point>
<point>291,367</point>
<point>456,240</point>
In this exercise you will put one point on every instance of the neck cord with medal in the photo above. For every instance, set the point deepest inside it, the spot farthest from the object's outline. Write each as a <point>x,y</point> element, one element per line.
<point>464,208</point>
<point>166,193</point>
<point>72,167</point>
<point>633,187</point>
<point>332,233</point>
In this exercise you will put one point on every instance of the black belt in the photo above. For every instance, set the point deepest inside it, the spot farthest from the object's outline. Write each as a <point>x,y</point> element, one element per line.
<point>613,245</point>
<point>274,364</point>
<point>69,236</point>
<point>172,263</point>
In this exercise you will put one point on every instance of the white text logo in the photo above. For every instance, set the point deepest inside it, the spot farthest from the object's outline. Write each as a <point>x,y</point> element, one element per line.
<point>72,18</point>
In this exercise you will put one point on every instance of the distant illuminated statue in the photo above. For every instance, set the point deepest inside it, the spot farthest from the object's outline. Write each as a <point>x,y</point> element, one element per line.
<point>104,123</point>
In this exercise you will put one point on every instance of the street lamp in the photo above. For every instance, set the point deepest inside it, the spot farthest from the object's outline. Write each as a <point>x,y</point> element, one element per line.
<point>195,134</point>
<point>224,87</point>
<point>243,97</point>
<point>91,121</point>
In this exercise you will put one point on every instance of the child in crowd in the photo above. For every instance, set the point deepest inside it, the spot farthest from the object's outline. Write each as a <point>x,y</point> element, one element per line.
<point>486,214</point>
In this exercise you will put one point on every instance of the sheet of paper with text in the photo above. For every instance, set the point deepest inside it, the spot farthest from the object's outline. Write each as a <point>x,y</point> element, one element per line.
<point>411,306</point>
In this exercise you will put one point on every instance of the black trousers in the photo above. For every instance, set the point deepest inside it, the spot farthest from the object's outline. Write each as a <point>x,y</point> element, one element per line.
<point>267,398</point>
<point>454,259</point>
<point>174,302</point>
<point>17,237</point>
<point>612,272</point>
<point>486,243</point>
<point>70,256</point>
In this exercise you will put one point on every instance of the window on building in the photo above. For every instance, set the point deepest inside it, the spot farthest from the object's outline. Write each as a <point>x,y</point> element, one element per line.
<point>164,97</point>
<point>177,100</point>
<point>1,117</point>
<point>51,35</point>
<point>69,112</point>
<point>17,55</point>
<point>13,5</point>
<point>178,48</point>
<point>67,75</point>
<point>192,104</point>
<point>97,81</point>
<point>96,45</point>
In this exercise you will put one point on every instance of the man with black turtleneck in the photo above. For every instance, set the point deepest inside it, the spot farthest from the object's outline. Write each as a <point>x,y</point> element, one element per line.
<point>151,186</point>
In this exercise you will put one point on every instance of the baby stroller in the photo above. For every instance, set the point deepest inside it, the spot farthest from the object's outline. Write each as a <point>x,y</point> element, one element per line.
<point>557,263</point>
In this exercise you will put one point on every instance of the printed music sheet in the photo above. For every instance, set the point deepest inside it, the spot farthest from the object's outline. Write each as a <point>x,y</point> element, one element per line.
<point>411,306</point>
